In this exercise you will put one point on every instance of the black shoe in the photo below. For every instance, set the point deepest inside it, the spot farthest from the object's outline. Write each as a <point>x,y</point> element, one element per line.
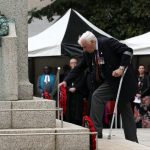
<point>100,135</point>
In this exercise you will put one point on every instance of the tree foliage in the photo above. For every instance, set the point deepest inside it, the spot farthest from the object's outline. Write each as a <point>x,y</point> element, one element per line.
<point>120,18</point>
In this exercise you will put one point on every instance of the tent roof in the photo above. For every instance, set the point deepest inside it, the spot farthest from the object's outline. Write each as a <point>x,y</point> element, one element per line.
<point>48,42</point>
<point>62,34</point>
<point>140,44</point>
<point>39,25</point>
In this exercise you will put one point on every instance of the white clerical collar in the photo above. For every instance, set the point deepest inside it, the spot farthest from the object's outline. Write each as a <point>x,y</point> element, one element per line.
<point>47,79</point>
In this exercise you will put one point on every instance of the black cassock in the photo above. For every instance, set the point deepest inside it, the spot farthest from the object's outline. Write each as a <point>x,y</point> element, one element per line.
<point>75,100</point>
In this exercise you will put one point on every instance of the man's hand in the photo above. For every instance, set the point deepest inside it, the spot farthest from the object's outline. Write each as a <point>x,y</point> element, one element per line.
<point>62,83</point>
<point>72,90</point>
<point>117,73</point>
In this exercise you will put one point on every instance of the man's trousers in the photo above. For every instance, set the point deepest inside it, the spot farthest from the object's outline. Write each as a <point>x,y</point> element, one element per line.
<point>99,98</point>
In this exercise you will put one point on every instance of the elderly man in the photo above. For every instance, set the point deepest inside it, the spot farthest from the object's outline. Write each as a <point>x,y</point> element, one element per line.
<point>109,58</point>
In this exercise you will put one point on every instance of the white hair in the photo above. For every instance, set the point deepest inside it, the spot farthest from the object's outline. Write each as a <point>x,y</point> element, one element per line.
<point>86,36</point>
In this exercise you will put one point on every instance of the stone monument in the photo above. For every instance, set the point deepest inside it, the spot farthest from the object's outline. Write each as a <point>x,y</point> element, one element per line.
<point>27,122</point>
<point>17,10</point>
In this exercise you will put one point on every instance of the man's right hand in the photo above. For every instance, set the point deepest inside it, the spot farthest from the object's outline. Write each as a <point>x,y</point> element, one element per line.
<point>62,83</point>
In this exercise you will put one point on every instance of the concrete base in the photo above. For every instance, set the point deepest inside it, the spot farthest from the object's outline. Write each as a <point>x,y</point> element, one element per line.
<point>38,130</point>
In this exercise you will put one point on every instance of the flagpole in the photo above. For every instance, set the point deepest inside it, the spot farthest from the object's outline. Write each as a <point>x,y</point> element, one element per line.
<point>58,90</point>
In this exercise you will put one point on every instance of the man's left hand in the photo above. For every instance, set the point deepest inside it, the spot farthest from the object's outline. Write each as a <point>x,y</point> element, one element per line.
<point>72,90</point>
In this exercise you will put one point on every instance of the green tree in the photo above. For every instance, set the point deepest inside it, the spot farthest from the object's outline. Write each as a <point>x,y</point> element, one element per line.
<point>119,18</point>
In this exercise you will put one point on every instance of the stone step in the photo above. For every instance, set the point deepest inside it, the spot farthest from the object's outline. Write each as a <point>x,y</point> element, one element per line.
<point>71,141</point>
<point>27,139</point>
<point>27,114</point>
<point>45,138</point>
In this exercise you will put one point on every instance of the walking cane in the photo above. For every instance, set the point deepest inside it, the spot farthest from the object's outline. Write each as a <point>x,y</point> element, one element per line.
<point>58,80</point>
<point>116,104</point>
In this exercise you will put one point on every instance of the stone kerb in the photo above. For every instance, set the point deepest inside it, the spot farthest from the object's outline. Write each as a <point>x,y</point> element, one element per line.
<point>8,66</point>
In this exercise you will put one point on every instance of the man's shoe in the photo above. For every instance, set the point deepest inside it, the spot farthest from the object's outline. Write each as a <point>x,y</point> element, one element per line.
<point>100,135</point>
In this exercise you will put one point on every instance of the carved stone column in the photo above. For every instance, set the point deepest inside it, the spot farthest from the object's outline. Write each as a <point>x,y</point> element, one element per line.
<point>18,10</point>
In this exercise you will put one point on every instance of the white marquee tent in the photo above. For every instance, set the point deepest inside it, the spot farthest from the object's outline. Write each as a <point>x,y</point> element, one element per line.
<point>140,44</point>
<point>61,38</point>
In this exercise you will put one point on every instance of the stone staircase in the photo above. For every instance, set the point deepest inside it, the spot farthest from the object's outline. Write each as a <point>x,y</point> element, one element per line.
<point>32,125</point>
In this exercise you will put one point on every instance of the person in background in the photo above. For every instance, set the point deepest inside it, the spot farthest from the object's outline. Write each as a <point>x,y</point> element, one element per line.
<point>142,114</point>
<point>75,97</point>
<point>143,80</point>
<point>143,85</point>
<point>46,82</point>
<point>145,111</point>
<point>110,58</point>
<point>65,71</point>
